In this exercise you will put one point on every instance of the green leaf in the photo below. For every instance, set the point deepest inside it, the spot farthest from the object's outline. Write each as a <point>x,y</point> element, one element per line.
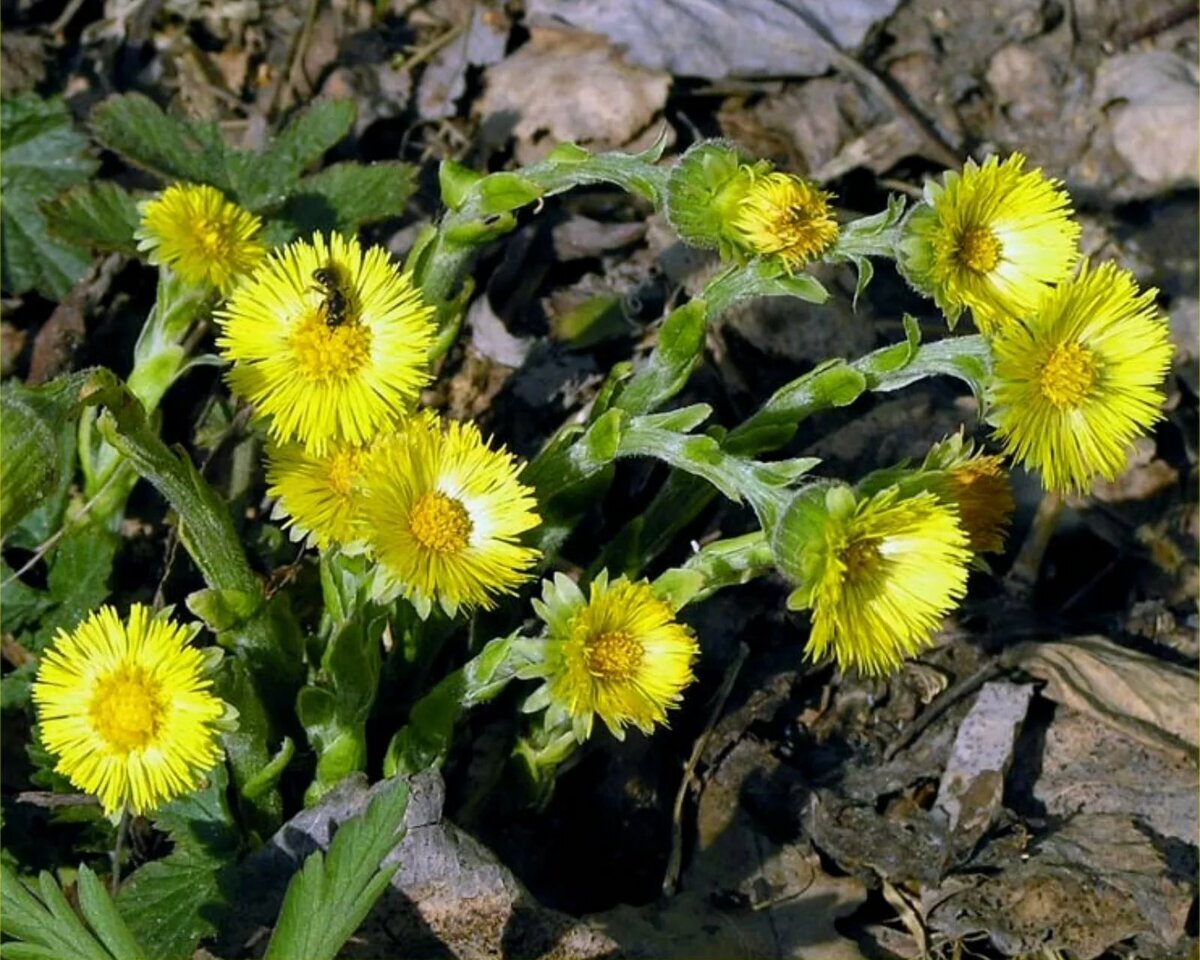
<point>455,182</point>
<point>502,192</point>
<point>42,923</point>
<point>425,741</point>
<point>99,216</point>
<point>345,196</point>
<point>263,180</point>
<point>135,126</point>
<point>331,896</point>
<point>33,421</point>
<point>172,903</point>
<point>680,342</point>
<point>247,747</point>
<point>41,154</point>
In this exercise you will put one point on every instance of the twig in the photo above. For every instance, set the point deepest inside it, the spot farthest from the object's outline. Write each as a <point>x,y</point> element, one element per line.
<point>65,18</point>
<point>44,798</point>
<point>903,186</point>
<point>421,54</point>
<point>675,860</point>
<point>943,703</point>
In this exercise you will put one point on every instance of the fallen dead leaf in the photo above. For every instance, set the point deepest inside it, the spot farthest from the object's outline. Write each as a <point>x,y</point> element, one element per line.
<point>609,105</point>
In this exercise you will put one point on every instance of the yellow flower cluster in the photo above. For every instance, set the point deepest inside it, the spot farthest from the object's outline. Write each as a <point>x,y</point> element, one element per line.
<point>330,344</point>
<point>1079,353</point>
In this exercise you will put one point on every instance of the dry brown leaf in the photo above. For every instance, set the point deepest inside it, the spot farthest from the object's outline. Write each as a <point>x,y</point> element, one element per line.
<point>568,86</point>
<point>1146,698</point>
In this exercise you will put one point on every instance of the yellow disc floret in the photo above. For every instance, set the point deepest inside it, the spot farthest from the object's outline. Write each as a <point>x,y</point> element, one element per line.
<point>785,216</point>
<point>443,515</point>
<point>326,374</point>
<point>127,709</point>
<point>1081,378</point>
<point>619,655</point>
<point>200,235</point>
<point>992,239</point>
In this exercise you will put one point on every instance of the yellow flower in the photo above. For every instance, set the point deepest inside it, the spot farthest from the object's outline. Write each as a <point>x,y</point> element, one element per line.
<point>1081,379</point>
<point>980,491</point>
<point>619,655</point>
<point>443,514</point>
<point>319,495</point>
<point>785,216</point>
<point>991,238</point>
<point>326,369</point>
<point>200,235</point>
<point>879,573</point>
<point>128,710</point>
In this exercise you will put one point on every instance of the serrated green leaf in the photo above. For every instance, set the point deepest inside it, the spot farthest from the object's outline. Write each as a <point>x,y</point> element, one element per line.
<point>135,126</point>
<point>172,903</point>
<point>41,154</point>
<point>100,216</point>
<point>262,180</point>
<point>42,923</point>
<point>345,196</point>
<point>331,896</point>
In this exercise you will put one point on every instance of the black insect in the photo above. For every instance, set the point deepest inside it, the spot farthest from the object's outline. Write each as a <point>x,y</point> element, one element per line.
<point>334,303</point>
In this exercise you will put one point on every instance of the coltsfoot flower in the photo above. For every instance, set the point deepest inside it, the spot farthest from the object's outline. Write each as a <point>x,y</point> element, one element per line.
<point>879,573</point>
<point>785,216</point>
<point>619,655</point>
<point>1081,379</point>
<point>977,485</point>
<point>128,710</point>
<point>991,239</point>
<point>203,237</point>
<point>318,496</point>
<point>443,515</point>
<point>328,341</point>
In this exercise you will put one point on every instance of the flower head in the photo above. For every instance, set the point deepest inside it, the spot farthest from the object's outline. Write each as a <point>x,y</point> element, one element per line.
<point>1081,378</point>
<point>443,514</point>
<point>200,235</point>
<point>128,710</point>
<point>976,484</point>
<point>619,655</point>
<point>991,238</point>
<point>879,573</point>
<point>328,341</point>
<point>319,495</point>
<point>785,216</point>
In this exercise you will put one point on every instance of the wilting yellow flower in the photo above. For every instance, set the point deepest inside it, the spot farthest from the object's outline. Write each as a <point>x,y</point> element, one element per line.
<point>326,370</point>
<point>975,484</point>
<point>619,655</point>
<point>1081,379</point>
<point>318,494</point>
<point>443,514</point>
<point>127,709</point>
<point>200,235</point>
<point>991,238</point>
<point>879,573</point>
<point>785,216</point>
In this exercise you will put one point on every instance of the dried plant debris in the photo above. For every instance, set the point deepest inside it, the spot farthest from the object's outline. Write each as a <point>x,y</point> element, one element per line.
<point>612,103</point>
<point>1089,884</point>
<point>739,38</point>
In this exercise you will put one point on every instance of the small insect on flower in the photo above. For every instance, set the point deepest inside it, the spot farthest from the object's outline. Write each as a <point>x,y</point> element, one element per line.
<point>319,495</point>
<point>443,515</point>
<point>128,710</point>
<point>785,216</point>
<point>991,239</point>
<point>334,302</point>
<point>619,655</point>
<point>204,238</point>
<point>329,341</point>
<point>1081,379</point>
<point>879,573</point>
